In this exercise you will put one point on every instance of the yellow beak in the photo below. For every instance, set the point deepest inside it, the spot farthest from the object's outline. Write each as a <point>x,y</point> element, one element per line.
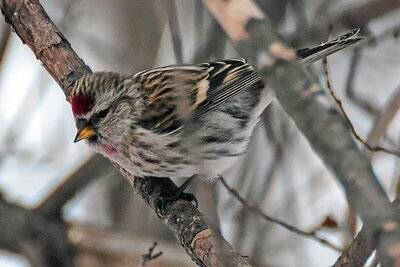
<point>84,133</point>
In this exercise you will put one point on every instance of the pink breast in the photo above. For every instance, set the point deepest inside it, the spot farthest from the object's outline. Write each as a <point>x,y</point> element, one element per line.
<point>108,150</point>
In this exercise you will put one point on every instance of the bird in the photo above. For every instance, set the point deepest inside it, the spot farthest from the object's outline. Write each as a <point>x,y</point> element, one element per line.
<point>180,120</point>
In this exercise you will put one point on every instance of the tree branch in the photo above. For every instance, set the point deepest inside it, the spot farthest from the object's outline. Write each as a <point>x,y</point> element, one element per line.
<point>358,252</point>
<point>308,105</point>
<point>44,242</point>
<point>199,237</point>
<point>360,249</point>
<point>311,234</point>
<point>354,17</point>
<point>88,172</point>
<point>36,30</point>
<point>384,117</point>
<point>370,147</point>
<point>119,248</point>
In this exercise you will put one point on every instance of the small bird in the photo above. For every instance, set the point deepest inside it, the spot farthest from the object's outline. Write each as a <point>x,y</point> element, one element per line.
<point>178,120</point>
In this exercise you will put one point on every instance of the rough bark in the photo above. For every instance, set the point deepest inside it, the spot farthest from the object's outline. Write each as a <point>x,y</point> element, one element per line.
<point>324,127</point>
<point>358,252</point>
<point>200,238</point>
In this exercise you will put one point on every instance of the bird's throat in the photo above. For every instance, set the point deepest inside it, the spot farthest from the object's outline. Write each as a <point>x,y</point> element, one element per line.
<point>108,150</point>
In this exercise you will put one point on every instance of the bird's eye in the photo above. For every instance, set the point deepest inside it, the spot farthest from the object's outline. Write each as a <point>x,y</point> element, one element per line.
<point>102,114</point>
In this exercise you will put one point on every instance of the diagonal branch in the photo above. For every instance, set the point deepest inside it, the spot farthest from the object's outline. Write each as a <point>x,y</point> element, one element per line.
<point>384,118</point>
<point>360,249</point>
<point>37,31</point>
<point>311,235</point>
<point>308,105</point>
<point>200,238</point>
<point>89,171</point>
<point>44,242</point>
<point>357,16</point>
<point>370,147</point>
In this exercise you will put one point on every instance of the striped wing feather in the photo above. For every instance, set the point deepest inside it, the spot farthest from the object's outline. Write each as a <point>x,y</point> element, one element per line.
<point>179,92</point>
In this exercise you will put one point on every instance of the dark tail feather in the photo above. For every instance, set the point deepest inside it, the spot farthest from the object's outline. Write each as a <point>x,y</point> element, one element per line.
<point>310,55</point>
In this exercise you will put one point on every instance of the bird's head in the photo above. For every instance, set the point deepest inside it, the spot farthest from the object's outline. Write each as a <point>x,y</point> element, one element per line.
<point>97,102</point>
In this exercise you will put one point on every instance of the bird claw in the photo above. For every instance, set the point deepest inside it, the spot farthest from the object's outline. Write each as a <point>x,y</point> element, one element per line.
<point>191,198</point>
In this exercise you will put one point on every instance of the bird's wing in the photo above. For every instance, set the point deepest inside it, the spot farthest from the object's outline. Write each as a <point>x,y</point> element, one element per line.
<point>175,93</point>
<point>178,92</point>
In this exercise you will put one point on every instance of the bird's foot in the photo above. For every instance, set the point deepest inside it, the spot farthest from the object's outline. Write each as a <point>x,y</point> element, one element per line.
<point>167,199</point>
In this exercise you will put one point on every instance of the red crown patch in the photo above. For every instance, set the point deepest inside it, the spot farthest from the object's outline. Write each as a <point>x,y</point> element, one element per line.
<point>81,104</point>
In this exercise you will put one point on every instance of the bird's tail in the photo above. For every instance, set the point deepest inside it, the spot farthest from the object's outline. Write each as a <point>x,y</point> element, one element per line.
<point>310,55</point>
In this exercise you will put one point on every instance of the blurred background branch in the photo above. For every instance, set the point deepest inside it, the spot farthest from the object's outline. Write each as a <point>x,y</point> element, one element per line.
<point>326,130</point>
<point>353,17</point>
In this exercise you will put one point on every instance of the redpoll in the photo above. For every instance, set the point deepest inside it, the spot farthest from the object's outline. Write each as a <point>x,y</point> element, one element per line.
<point>179,120</point>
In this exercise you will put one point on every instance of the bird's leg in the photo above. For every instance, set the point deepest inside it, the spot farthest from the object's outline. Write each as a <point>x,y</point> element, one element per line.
<point>181,189</point>
<point>179,193</point>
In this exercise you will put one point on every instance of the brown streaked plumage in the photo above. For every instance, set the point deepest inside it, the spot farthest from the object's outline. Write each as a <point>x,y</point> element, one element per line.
<point>179,120</point>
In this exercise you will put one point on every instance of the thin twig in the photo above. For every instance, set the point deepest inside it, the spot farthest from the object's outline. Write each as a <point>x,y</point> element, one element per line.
<point>383,119</point>
<point>285,225</point>
<point>149,256</point>
<point>340,105</point>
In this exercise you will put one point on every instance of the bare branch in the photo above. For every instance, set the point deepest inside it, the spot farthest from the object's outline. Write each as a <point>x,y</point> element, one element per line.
<point>304,100</point>
<point>149,256</point>
<point>37,31</point>
<point>370,147</point>
<point>119,248</point>
<point>44,242</point>
<point>361,248</point>
<point>358,252</point>
<point>391,33</point>
<point>201,240</point>
<point>88,172</point>
<point>354,17</point>
<point>311,235</point>
<point>383,119</point>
